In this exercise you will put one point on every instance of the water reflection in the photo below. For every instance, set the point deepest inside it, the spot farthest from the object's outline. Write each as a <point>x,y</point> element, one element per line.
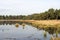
<point>9,31</point>
<point>27,32</point>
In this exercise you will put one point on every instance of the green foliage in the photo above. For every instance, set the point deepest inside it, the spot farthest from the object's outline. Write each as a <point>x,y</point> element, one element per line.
<point>47,15</point>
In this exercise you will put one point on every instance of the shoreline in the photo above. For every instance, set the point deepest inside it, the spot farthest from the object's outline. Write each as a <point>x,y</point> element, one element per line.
<point>39,23</point>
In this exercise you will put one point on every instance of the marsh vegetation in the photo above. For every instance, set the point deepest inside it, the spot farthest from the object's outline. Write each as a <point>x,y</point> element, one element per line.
<point>47,23</point>
<point>17,27</point>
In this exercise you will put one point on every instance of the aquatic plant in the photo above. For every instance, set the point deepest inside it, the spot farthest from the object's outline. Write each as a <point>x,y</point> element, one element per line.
<point>56,33</point>
<point>45,34</point>
<point>23,24</point>
<point>17,25</point>
<point>52,38</point>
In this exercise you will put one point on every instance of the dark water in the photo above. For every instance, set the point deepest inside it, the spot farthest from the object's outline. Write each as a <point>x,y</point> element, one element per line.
<point>10,32</point>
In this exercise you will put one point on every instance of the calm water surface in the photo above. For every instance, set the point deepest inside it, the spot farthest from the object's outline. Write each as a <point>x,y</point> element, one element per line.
<point>10,32</point>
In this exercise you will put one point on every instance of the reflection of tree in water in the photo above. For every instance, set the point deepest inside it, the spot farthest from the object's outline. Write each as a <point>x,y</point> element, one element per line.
<point>4,30</point>
<point>16,23</point>
<point>9,22</point>
<point>23,27</point>
<point>51,30</point>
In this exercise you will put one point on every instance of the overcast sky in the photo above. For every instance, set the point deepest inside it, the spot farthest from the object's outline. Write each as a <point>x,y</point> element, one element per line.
<point>26,7</point>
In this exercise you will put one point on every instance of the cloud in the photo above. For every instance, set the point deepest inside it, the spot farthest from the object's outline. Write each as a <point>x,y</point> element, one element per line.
<point>26,7</point>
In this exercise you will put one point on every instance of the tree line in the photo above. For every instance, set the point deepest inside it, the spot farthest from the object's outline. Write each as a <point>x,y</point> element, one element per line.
<point>47,15</point>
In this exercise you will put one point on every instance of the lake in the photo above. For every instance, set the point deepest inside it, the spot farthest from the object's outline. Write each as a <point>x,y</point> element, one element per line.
<point>27,32</point>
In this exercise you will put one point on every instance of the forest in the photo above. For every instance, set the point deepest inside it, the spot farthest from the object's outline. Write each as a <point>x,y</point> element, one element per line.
<point>50,14</point>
